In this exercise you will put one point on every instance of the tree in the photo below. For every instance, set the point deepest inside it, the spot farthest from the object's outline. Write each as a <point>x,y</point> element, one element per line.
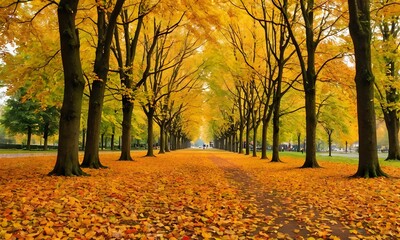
<point>386,45</point>
<point>20,116</point>
<point>101,67</point>
<point>318,23</point>
<point>360,31</point>
<point>67,163</point>
<point>48,126</point>
<point>126,69</point>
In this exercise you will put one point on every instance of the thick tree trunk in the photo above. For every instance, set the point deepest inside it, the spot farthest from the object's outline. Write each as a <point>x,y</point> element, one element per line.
<point>360,31</point>
<point>91,158</point>
<point>311,124</point>
<point>127,110</point>
<point>67,163</point>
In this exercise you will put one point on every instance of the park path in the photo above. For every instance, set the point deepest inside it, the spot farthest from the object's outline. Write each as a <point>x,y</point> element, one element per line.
<point>279,219</point>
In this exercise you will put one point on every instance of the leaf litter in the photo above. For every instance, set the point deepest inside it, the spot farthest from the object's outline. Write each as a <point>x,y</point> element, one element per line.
<point>184,195</point>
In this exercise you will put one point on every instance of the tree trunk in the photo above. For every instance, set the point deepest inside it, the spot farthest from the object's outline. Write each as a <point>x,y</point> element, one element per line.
<point>162,138</point>
<point>392,125</point>
<point>112,142</point>
<point>127,110</point>
<point>264,140</point>
<point>298,142</point>
<point>103,141</point>
<point>330,141</point>
<point>255,128</point>
<point>311,124</point>
<point>29,137</point>
<point>248,134</point>
<point>360,31</point>
<point>150,135</point>
<point>83,138</point>
<point>167,142</point>
<point>46,136</point>
<point>91,158</point>
<point>101,64</point>
<point>67,163</point>
<point>241,130</point>
<point>234,141</point>
<point>275,133</point>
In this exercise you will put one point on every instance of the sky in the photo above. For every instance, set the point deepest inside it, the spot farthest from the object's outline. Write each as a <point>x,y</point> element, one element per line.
<point>3,96</point>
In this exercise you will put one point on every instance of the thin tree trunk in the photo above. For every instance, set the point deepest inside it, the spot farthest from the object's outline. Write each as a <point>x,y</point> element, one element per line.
<point>392,125</point>
<point>275,133</point>
<point>162,138</point>
<point>264,140</point>
<point>298,142</point>
<point>46,136</point>
<point>167,142</point>
<point>248,134</point>
<point>150,135</point>
<point>255,128</point>
<point>112,142</point>
<point>83,138</point>
<point>127,110</point>
<point>29,137</point>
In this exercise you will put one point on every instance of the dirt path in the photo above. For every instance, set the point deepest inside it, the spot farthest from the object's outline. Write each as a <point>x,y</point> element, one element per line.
<point>279,222</point>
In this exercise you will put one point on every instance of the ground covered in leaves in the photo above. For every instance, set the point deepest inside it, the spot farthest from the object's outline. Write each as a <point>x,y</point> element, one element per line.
<point>196,195</point>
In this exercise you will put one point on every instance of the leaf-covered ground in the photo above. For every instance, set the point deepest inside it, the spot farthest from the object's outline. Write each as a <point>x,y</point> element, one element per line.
<point>196,195</point>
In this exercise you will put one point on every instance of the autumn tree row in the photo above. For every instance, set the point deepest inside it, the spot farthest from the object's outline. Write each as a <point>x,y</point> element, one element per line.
<point>140,51</point>
<point>265,46</point>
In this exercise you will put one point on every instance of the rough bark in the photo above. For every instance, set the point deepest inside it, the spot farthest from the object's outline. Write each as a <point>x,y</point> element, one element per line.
<point>360,31</point>
<point>67,163</point>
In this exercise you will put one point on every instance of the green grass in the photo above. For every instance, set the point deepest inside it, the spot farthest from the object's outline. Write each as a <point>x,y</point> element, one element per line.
<point>12,151</point>
<point>340,159</point>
